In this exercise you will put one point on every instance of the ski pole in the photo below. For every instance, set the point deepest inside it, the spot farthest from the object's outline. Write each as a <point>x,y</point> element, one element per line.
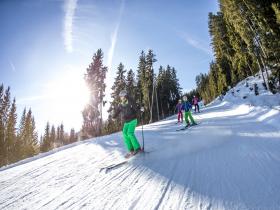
<point>142,110</point>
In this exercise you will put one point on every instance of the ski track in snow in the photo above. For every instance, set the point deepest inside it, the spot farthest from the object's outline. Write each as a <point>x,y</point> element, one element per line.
<point>230,161</point>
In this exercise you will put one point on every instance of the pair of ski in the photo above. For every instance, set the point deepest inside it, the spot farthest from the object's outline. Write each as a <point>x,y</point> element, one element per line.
<point>119,164</point>
<point>187,127</point>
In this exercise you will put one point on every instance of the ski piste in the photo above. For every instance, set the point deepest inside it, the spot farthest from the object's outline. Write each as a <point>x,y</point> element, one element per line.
<point>120,163</point>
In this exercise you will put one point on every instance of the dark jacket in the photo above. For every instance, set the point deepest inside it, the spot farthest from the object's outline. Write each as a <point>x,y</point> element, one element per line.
<point>127,111</point>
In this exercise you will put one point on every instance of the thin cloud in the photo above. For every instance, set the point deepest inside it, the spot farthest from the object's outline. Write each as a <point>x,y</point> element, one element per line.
<point>109,78</point>
<point>114,36</point>
<point>196,44</point>
<point>12,66</point>
<point>69,8</point>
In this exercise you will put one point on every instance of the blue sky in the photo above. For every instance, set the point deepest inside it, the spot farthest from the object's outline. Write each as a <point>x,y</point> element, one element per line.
<point>46,45</point>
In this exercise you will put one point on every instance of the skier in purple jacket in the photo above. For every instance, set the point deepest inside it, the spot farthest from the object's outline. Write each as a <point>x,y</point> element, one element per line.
<point>179,108</point>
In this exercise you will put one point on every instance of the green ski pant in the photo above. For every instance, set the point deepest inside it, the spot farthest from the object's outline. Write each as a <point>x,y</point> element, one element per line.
<point>130,139</point>
<point>189,115</point>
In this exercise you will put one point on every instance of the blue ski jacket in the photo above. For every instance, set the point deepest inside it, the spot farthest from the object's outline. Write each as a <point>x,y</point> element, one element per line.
<point>187,106</point>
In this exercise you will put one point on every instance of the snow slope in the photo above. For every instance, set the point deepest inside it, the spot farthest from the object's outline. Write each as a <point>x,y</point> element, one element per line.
<point>230,161</point>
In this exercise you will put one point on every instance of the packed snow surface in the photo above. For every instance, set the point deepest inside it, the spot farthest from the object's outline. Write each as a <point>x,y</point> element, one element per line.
<point>231,160</point>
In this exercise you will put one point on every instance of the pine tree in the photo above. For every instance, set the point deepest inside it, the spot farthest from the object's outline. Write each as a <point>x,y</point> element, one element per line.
<point>118,86</point>
<point>11,134</point>
<point>168,90</point>
<point>111,126</point>
<point>53,137</point>
<point>161,91</point>
<point>256,23</point>
<point>131,85</point>
<point>72,137</point>
<point>176,88</point>
<point>276,8</point>
<point>213,84</point>
<point>62,134</point>
<point>58,138</point>
<point>34,137</point>
<point>140,76</point>
<point>20,136</point>
<point>246,39</point>
<point>92,113</point>
<point>222,49</point>
<point>41,142</point>
<point>2,128</point>
<point>147,84</point>
<point>46,143</point>
<point>30,136</point>
<point>5,104</point>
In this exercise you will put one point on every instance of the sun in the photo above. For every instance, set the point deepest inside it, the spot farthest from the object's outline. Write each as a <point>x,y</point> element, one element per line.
<point>67,97</point>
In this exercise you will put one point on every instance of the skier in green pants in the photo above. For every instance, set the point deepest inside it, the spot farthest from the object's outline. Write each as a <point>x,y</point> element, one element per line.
<point>188,107</point>
<point>128,113</point>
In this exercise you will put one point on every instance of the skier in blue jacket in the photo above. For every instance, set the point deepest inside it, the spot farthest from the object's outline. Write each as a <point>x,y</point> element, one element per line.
<point>187,107</point>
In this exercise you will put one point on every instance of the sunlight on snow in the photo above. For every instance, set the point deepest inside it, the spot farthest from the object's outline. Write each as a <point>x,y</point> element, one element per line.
<point>268,114</point>
<point>239,110</point>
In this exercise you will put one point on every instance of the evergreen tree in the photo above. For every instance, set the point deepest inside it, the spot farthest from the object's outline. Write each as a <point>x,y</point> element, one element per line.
<point>276,8</point>
<point>176,88</point>
<point>111,125</point>
<point>161,91</point>
<point>11,134</point>
<point>72,137</point>
<point>245,37</point>
<point>168,90</point>
<point>133,92</point>
<point>222,48</point>
<point>30,136</point>
<point>20,136</point>
<point>147,84</point>
<point>140,77</point>
<point>62,134</point>
<point>34,136</point>
<point>256,23</point>
<point>41,141</point>
<point>46,143</point>
<point>212,91</point>
<point>2,128</point>
<point>118,86</point>
<point>5,103</point>
<point>58,141</point>
<point>53,137</point>
<point>92,114</point>
<point>131,85</point>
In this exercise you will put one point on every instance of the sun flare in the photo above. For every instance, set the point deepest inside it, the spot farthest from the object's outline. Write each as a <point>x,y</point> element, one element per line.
<point>67,95</point>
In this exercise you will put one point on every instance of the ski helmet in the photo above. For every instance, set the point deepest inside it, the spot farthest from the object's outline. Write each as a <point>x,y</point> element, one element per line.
<point>123,93</point>
<point>185,98</point>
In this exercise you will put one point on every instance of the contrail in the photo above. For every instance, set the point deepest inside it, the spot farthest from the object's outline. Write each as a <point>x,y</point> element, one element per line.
<point>69,8</point>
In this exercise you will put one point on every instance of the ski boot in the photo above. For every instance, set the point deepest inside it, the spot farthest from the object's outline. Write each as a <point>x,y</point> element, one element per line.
<point>187,126</point>
<point>138,151</point>
<point>130,154</point>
